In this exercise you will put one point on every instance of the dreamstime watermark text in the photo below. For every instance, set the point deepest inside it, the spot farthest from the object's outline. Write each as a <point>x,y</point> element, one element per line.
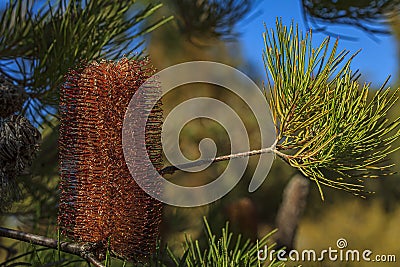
<point>216,74</point>
<point>334,254</point>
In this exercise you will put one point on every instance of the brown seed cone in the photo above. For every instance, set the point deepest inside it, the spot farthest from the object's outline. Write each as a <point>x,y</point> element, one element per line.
<point>100,201</point>
<point>12,97</point>
<point>19,142</point>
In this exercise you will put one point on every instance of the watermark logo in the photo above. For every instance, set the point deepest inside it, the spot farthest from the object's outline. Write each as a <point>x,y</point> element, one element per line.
<point>341,253</point>
<point>341,243</point>
<point>201,107</point>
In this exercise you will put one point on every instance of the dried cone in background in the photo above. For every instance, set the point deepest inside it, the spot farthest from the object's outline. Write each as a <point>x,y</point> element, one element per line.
<point>100,201</point>
<point>289,214</point>
<point>19,142</point>
<point>12,97</point>
<point>242,216</point>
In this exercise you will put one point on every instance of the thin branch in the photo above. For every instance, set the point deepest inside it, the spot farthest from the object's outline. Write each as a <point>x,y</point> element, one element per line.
<point>271,149</point>
<point>93,260</point>
<point>8,260</point>
<point>9,250</point>
<point>84,251</point>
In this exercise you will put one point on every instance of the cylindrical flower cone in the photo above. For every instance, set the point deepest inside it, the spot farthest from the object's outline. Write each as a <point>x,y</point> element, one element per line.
<point>100,201</point>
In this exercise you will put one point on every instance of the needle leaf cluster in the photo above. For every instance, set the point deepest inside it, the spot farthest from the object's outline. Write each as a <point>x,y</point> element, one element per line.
<point>38,44</point>
<point>330,127</point>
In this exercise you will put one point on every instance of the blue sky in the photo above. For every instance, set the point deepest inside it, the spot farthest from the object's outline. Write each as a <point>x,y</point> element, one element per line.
<point>376,60</point>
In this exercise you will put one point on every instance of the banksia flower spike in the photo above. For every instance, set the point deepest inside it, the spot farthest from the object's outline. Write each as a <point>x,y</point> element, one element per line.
<point>100,201</point>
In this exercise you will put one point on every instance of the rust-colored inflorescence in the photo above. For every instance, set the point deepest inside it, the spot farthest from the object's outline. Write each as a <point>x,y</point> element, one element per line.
<point>100,201</point>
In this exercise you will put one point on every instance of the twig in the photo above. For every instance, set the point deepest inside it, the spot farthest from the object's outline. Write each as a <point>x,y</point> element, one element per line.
<point>9,250</point>
<point>271,149</point>
<point>85,251</point>
<point>93,260</point>
<point>21,256</point>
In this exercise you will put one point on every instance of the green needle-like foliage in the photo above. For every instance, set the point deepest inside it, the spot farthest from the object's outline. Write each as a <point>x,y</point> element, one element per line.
<point>224,251</point>
<point>327,126</point>
<point>39,44</point>
<point>370,16</point>
<point>211,18</point>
